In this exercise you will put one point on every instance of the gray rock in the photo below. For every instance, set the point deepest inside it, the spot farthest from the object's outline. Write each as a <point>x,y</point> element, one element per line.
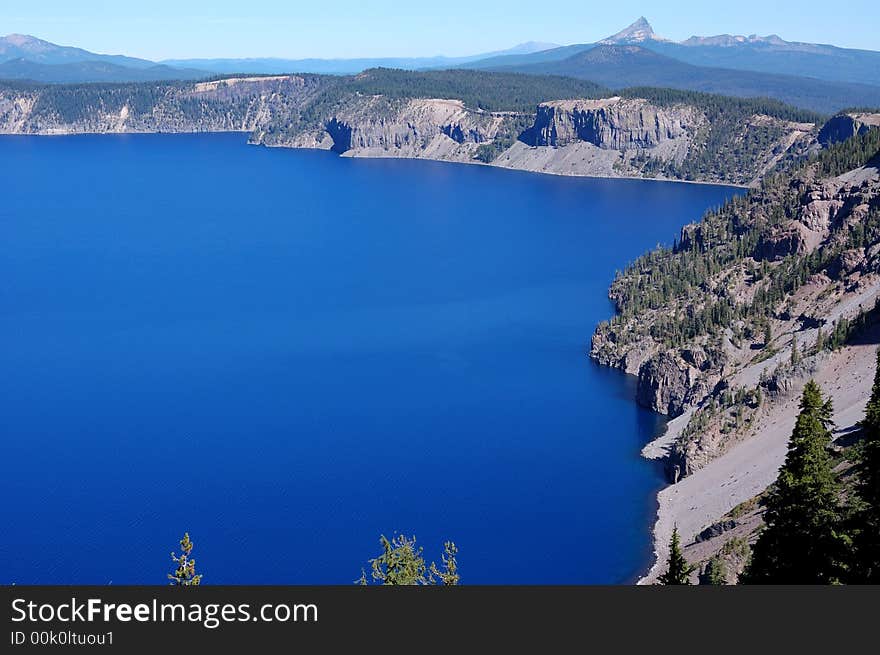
<point>665,382</point>
<point>614,124</point>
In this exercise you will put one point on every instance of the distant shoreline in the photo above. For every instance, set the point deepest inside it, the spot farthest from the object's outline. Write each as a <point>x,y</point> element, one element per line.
<point>598,176</point>
<point>595,176</point>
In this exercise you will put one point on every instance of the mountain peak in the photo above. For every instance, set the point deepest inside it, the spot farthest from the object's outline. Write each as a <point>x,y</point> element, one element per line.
<point>638,32</point>
<point>24,45</point>
<point>21,40</point>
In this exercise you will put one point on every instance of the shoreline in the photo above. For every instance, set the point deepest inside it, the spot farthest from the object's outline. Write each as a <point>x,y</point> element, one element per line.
<point>752,464</point>
<point>596,176</point>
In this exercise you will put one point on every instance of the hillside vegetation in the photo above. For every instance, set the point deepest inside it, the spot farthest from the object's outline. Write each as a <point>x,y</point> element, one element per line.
<point>386,112</point>
<point>791,265</point>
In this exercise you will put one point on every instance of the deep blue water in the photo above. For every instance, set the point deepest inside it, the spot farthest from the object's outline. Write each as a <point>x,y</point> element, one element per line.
<point>287,353</point>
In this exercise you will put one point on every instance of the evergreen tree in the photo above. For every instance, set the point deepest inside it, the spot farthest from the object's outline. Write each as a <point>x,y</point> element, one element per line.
<point>185,573</point>
<point>866,567</point>
<point>402,563</point>
<point>678,571</point>
<point>802,542</point>
<point>795,353</point>
<point>715,572</point>
<point>448,575</point>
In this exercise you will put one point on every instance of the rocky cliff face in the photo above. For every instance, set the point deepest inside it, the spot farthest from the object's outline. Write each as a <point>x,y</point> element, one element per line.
<point>611,123</point>
<point>844,126</point>
<point>377,126</point>
<point>709,328</point>
<point>665,382</point>
<point>615,137</point>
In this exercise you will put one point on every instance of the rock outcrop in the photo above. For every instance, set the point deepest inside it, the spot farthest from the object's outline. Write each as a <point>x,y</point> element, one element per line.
<point>706,327</point>
<point>374,126</point>
<point>664,384</point>
<point>843,126</point>
<point>611,123</point>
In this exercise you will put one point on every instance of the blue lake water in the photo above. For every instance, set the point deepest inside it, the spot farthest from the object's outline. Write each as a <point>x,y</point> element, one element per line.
<point>287,354</point>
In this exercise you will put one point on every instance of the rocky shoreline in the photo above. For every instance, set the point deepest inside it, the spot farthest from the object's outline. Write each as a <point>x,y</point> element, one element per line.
<point>607,137</point>
<point>783,278</point>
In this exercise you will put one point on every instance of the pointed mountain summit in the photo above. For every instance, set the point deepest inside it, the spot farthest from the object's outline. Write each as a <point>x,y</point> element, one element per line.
<point>638,32</point>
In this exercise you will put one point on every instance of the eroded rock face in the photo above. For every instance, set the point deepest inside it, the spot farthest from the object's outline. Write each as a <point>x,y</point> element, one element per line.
<point>340,132</point>
<point>846,263</point>
<point>604,349</point>
<point>665,383</point>
<point>376,124</point>
<point>780,244</point>
<point>696,357</point>
<point>840,128</point>
<point>613,123</point>
<point>821,204</point>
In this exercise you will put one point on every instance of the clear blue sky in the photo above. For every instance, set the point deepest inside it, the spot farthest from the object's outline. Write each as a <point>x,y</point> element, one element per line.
<point>158,29</point>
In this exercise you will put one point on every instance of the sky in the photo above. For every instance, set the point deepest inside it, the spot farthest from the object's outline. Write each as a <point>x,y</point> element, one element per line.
<point>163,29</point>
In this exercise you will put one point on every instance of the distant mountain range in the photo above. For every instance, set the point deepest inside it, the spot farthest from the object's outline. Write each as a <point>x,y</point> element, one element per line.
<point>814,76</point>
<point>819,77</point>
<point>622,66</point>
<point>272,66</point>
<point>92,71</point>
<point>764,54</point>
<point>27,57</point>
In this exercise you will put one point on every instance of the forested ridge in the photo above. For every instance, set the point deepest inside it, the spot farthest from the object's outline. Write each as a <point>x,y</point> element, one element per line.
<point>478,90</point>
<point>732,234</point>
<point>722,150</point>
<point>729,148</point>
<point>750,299</point>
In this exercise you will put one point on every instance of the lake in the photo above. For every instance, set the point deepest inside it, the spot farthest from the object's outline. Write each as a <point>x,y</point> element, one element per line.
<point>288,353</point>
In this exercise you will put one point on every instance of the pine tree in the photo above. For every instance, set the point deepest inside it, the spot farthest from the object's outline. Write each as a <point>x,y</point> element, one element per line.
<point>715,572</point>
<point>802,542</point>
<point>185,574</point>
<point>795,353</point>
<point>866,568</point>
<point>448,575</point>
<point>678,571</point>
<point>402,563</point>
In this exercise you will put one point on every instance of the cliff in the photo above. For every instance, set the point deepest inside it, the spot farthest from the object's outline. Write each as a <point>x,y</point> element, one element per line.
<point>612,123</point>
<point>375,114</point>
<point>847,125</point>
<point>375,126</point>
<point>707,320</point>
<point>610,137</point>
<point>725,327</point>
